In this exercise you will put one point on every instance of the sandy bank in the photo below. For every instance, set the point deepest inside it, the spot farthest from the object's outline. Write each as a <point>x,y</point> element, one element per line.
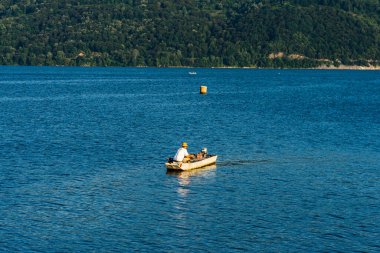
<point>349,67</point>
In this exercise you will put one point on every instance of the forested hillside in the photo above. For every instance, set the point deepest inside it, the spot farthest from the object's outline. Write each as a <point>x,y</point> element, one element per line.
<point>252,33</point>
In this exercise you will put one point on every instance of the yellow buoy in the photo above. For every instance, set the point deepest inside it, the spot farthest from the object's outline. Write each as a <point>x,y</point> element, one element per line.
<point>203,90</point>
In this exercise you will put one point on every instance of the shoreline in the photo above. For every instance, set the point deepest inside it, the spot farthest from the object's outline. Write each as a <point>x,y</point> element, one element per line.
<point>324,67</point>
<point>342,67</point>
<point>348,67</point>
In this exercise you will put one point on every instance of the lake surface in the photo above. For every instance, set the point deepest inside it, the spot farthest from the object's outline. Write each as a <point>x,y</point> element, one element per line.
<point>82,154</point>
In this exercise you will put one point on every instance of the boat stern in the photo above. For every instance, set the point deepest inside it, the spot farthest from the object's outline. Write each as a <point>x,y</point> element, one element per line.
<point>173,166</point>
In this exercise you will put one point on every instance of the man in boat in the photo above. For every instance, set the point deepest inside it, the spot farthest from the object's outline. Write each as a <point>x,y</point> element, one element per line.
<point>182,155</point>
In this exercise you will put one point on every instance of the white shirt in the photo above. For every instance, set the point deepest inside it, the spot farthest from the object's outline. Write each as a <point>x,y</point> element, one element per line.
<point>181,153</point>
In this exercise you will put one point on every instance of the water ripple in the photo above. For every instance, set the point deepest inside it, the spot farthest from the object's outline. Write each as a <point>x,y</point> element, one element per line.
<point>83,152</point>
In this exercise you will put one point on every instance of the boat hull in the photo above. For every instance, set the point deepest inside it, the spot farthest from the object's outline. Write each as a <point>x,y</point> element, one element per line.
<point>181,166</point>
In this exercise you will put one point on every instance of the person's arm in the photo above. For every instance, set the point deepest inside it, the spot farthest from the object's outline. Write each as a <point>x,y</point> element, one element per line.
<point>187,155</point>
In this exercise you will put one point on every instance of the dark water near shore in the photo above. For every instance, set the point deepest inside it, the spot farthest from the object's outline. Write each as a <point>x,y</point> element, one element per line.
<point>82,154</point>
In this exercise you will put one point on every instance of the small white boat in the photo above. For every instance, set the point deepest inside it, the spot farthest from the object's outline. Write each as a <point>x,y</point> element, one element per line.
<point>192,73</point>
<point>192,164</point>
<point>190,173</point>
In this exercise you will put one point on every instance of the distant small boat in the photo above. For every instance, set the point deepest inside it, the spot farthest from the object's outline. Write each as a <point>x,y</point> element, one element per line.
<point>192,164</point>
<point>192,73</point>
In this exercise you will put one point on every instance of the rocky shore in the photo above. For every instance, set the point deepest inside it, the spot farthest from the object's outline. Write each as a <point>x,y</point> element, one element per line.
<point>349,67</point>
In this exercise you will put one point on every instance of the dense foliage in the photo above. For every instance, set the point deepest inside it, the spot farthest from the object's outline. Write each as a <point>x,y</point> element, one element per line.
<point>266,33</point>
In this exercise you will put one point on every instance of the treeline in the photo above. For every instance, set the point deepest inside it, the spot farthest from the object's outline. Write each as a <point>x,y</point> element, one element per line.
<point>206,33</point>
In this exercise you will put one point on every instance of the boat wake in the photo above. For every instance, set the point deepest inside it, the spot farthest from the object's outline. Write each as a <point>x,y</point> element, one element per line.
<point>241,162</point>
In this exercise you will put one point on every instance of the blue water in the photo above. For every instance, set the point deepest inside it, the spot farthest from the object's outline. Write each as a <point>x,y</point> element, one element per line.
<point>82,154</point>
